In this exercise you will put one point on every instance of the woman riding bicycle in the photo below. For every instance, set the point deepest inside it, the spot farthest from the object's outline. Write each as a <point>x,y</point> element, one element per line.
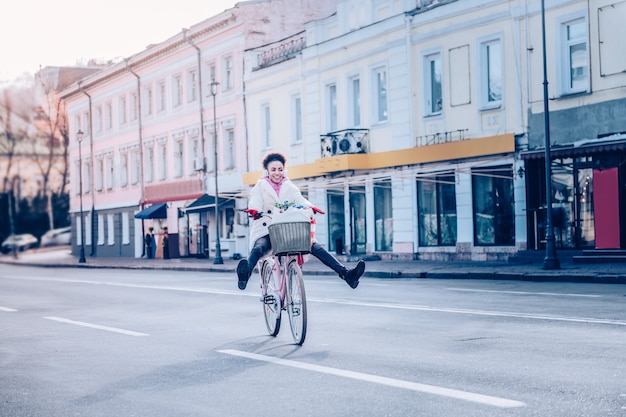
<point>274,187</point>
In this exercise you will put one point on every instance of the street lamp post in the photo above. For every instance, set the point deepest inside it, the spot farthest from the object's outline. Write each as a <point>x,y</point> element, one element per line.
<point>218,248</point>
<point>79,138</point>
<point>550,261</point>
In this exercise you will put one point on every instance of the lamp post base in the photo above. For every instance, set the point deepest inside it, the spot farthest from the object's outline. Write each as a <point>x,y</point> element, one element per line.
<point>82,259</point>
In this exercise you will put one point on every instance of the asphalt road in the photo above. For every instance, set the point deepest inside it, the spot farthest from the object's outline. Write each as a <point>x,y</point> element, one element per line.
<point>128,343</point>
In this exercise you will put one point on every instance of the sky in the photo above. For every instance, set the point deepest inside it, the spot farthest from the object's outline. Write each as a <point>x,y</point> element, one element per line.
<point>39,33</point>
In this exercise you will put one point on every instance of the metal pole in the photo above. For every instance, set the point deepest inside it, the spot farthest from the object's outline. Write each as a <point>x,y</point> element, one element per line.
<point>218,248</point>
<point>550,261</point>
<point>79,137</point>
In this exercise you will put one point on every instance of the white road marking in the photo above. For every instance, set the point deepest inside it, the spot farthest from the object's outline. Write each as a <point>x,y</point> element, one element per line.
<point>586,320</point>
<point>397,383</point>
<point>96,326</point>
<point>526,292</point>
<point>7,309</point>
<point>413,307</point>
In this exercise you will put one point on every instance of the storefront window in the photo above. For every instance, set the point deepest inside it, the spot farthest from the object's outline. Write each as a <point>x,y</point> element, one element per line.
<point>437,211</point>
<point>336,221</point>
<point>382,214</point>
<point>492,193</point>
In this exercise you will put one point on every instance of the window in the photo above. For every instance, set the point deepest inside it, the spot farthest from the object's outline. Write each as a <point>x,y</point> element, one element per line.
<point>110,171</point>
<point>192,81</point>
<point>432,84</point>
<point>380,95</point>
<point>88,228</point>
<point>336,220</point>
<point>178,158</point>
<point>108,115</point>
<point>574,57</point>
<point>124,169</point>
<point>125,228</point>
<point>87,177</point>
<point>123,110</point>
<point>99,173</point>
<point>77,184</point>
<point>148,100</point>
<point>162,97</point>
<point>296,111</point>
<point>110,229</point>
<point>134,102</point>
<point>100,229</point>
<point>354,94</point>
<point>436,198</point>
<point>162,161</point>
<point>98,119</point>
<point>228,73</point>
<point>195,159</point>
<point>492,194</point>
<point>79,230</point>
<point>150,164</point>
<point>177,91</point>
<point>331,106</point>
<point>212,72</point>
<point>135,167</point>
<point>266,125</point>
<point>86,125</point>
<point>229,149</point>
<point>491,73</point>
<point>382,216</point>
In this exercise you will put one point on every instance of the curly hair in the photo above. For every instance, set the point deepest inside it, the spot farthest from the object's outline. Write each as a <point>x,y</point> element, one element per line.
<point>274,156</point>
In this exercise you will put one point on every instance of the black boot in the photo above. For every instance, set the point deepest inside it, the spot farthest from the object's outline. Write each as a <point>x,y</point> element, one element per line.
<point>352,276</point>
<point>243,274</point>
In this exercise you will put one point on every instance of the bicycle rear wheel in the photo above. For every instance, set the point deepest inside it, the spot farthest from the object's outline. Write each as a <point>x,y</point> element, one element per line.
<point>270,298</point>
<point>297,303</point>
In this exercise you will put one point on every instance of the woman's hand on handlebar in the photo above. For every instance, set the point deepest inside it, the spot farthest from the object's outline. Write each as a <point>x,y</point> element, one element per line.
<point>253,213</point>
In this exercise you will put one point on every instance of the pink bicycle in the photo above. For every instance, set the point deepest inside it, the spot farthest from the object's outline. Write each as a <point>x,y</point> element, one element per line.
<point>282,286</point>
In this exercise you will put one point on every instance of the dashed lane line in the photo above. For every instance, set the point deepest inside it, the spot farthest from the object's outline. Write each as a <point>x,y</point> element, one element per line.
<point>96,326</point>
<point>397,383</point>
<point>414,307</point>
<point>7,309</point>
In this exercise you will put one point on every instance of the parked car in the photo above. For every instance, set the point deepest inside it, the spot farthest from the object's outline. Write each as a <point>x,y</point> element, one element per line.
<point>21,242</point>
<point>54,237</point>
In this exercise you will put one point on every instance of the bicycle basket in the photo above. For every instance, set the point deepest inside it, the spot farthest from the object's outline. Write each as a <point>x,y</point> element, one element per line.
<point>290,237</point>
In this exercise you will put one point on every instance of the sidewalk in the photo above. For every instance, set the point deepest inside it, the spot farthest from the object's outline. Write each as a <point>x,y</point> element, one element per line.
<point>607,273</point>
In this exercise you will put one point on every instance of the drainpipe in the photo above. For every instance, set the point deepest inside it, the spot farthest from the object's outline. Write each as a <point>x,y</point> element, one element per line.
<point>141,184</point>
<point>201,107</point>
<point>93,189</point>
<point>408,20</point>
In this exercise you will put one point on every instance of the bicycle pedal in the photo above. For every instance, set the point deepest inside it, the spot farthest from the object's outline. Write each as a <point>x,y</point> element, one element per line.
<point>268,299</point>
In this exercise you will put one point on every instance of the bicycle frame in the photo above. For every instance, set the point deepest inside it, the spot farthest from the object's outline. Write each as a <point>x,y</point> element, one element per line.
<point>282,288</point>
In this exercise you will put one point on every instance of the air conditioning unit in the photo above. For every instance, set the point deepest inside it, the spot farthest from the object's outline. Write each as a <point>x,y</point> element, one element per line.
<point>198,164</point>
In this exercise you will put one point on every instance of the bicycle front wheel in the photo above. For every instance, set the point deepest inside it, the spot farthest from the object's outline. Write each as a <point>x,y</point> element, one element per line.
<point>270,297</point>
<point>297,302</point>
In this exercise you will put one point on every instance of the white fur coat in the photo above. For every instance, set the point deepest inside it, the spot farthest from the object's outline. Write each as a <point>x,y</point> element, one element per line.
<point>263,197</point>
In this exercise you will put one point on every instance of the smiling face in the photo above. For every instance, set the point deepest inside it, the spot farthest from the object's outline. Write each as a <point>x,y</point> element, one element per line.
<point>275,171</point>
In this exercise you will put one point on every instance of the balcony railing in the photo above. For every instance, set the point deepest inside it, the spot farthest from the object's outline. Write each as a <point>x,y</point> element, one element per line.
<point>348,141</point>
<point>280,51</point>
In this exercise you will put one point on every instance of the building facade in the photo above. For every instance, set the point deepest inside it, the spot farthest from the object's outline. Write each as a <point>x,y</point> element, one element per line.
<point>417,125</point>
<point>159,128</point>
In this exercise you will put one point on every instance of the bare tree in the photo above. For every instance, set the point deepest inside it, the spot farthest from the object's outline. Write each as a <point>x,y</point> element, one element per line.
<point>13,130</point>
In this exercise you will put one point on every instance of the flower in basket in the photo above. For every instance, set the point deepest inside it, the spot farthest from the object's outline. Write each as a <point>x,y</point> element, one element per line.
<point>284,205</point>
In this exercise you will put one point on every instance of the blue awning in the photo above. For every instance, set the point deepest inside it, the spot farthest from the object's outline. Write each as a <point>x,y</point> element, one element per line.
<point>204,203</point>
<point>155,211</point>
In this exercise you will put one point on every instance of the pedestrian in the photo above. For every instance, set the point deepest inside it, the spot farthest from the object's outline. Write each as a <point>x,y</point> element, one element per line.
<point>275,188</point>
<point>166,244</point>
<point>149,242</point>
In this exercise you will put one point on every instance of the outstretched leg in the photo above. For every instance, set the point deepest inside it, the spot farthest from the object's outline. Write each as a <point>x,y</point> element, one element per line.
<point>351,276</point>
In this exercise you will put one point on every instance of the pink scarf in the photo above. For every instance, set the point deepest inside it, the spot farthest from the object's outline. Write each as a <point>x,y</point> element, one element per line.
<point>276,186</point>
